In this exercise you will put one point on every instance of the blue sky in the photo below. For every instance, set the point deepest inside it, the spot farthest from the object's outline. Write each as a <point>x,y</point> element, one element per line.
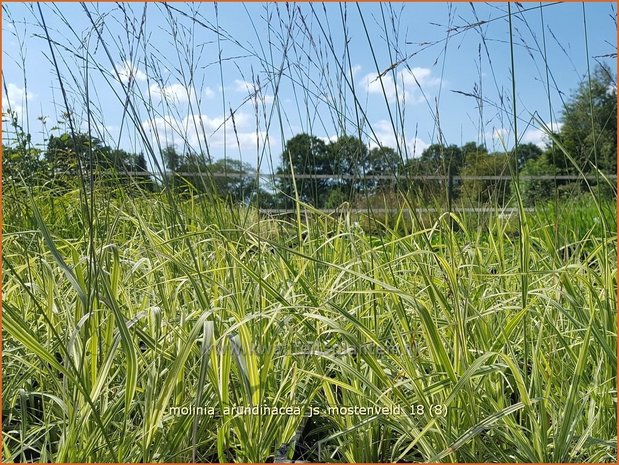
<point>237,80</point>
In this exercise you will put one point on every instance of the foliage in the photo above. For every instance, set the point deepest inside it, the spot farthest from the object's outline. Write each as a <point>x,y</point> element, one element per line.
<point>383,161</point>
<point>20,160</point>
<point>486,191</point>
<point>229,179</point>
<point>527,152</point>
<point>305,155</point>
<point>68,154</point>
<point>171,158</point>
<point>538,190</point>
<point>440,159</point>
<point>100,350</point>
<point>349,156</point>
<point>589,130</point>
<point>241,184</point>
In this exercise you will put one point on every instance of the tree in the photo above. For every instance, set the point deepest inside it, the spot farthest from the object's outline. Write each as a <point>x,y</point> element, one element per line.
<point>471,152</point>
<point>66,153</point>
<point>190,174</point>
<point>229,179</point>
<point>481,191</point>
<point>139,165</point>
<point>436,160</point>
<point>537,190</point>
<point>439,159</point>
<point>383,161</point>
<point>305,155</point>
<point>21,162</point>
<point>527,152</point>
<point>265,199</point>
<point>589,130</point>
<point>171,158</point>
<point>239,183</point>
<point>349,157</point>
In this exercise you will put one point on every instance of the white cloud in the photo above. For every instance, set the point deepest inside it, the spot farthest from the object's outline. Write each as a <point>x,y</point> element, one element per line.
<point>374,85</point>
<point>174,93</point>
<point>253,91</point>
<point>244,86</point>
<point>16,97</point>
<point>247,141</point>
<point>500,133</point>
<point>386,137</point>
<point>328,139</point>
<point>502,137</point>
<point>127,71</point>
<point>416,146</point>
<point>242,120</point>
<point>208,92</point>
<point>423,76</point>
<point>405,88</point>
<point>18,94</point>
<point>188,130</point>
<point>538,136</point>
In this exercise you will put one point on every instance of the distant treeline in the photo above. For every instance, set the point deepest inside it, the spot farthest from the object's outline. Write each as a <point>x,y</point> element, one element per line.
<point>585,144</point>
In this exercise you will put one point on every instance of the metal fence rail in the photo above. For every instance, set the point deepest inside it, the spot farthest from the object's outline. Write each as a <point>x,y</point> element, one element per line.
<point>429,177</point>
<point>449,180</point>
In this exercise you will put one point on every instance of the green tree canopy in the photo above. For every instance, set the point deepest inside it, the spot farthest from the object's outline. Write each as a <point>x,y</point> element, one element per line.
<point>486,191</point>
<point>526,152</point>
<point>171,158</point>
<point>239,183</point>
<point>305,154</point>
<point>383,161</point>
<point>349,156</point>
<point>589,130</point>
<point>440,159</point>
<point>21,162</point>
<point>436,160</point>
<point>66,152</point>
<point>537,190</point>
<point>229,179</point>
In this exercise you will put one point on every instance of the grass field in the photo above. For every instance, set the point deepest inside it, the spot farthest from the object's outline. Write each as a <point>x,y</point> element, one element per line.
<point>111,321</point>
<point>150,321</point>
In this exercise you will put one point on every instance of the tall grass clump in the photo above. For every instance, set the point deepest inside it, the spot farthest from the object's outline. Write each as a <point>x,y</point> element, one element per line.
<point>158,320</point>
